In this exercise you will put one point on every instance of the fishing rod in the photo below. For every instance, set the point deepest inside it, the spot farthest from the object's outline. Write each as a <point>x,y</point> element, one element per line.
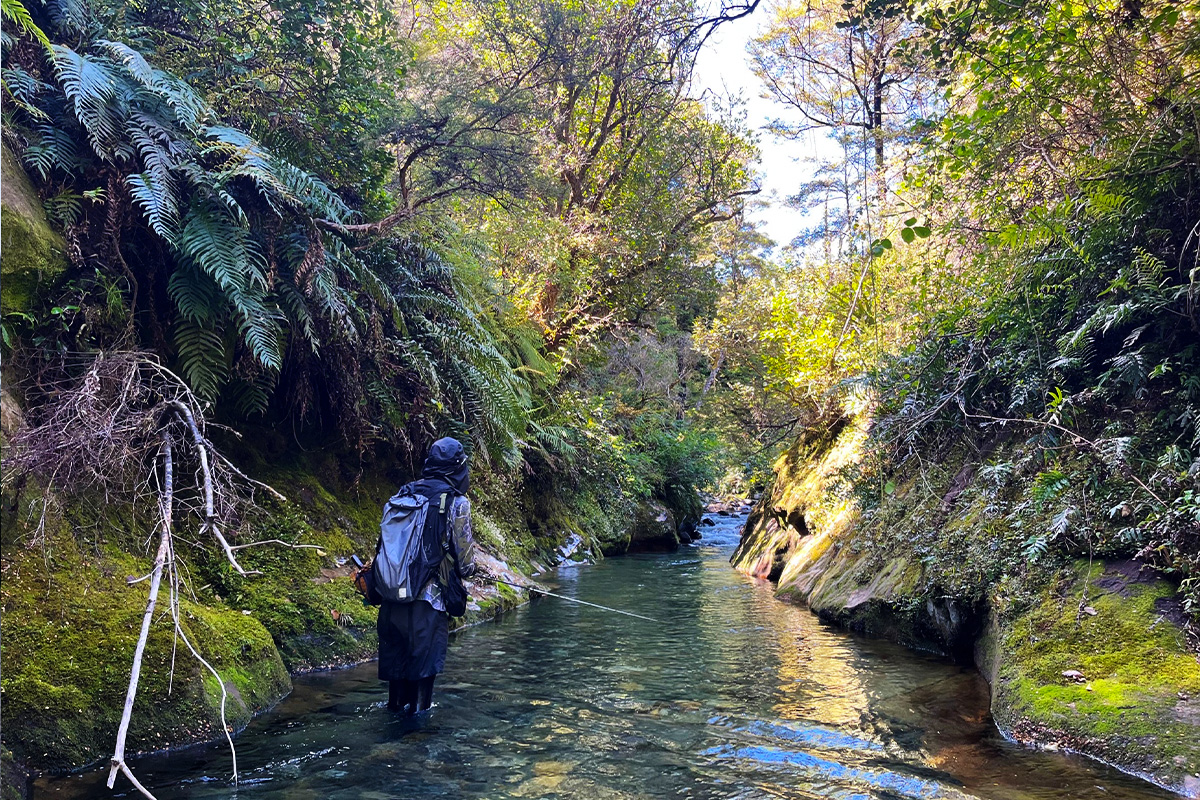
<point>568,599</point>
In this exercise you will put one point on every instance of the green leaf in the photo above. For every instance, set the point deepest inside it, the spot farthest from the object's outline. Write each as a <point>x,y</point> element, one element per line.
<point>91,87</point>
<point>907,235</point>
<point>15,12</point>
<point>921,231</point>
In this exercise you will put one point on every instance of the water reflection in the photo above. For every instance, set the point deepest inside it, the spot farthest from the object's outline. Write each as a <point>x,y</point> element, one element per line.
<point>732,694</point>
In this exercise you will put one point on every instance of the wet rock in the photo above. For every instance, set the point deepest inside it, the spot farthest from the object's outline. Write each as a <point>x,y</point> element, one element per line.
<point>653,529</point>
<point>1111,678</point>
<point>709,521</point>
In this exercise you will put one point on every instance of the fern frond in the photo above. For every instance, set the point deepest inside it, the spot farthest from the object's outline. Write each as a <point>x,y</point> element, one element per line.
<point>197,298</point>
<point>311,191</point>
<point>91,86</point>
<point>157,199</point>
<point>190,109</point>
<point>201,352</point>
<point>72,18</point>
<point>260,331</point>
<point>16,13</point>
<point>53,149</point>
<point>25,90</point>
<point>251,397</point>
<point>133,61</point>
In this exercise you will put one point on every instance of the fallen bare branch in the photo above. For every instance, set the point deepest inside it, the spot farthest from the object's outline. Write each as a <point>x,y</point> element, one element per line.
<point>268,488</point>
<point>118,759</point>
<point>210,522</point>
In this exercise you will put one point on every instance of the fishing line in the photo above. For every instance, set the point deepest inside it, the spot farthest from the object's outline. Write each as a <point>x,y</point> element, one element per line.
<point>568,599</point>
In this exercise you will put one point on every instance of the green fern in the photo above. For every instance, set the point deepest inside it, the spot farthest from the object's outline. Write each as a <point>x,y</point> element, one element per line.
<point>156,196</point>
<point>250,396</point>
<point>91,86</point>
<point>1048,486</point>
<point>72,18</point>
<point>25,90</point>
<point>201,350</point>
<point>16,13</point>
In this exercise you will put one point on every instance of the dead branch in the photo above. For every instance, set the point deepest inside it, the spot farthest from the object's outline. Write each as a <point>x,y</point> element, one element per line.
<point>165,504</point>
<point>210,519</point>
<point>265,487</point>
<point>220,682</point>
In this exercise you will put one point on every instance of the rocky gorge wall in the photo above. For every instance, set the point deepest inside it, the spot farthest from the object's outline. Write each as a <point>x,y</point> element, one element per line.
<point>1088,655</point>
<point>71,615</point>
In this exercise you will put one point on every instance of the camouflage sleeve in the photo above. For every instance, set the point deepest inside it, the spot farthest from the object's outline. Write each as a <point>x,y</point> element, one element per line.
<point>463,537</point>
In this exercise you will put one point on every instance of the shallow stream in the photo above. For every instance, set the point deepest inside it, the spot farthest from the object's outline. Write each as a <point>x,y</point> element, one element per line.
<point>732,694</point>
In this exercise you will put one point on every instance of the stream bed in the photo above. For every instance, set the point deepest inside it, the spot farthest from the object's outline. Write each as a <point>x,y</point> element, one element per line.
<point>731,694</point>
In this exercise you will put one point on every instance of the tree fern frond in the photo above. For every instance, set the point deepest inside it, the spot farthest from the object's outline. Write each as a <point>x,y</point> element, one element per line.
<point>422,364</point>
<point>250,397</point>
<point>329,296</point>
<point>190,108</point>
<point>53,149</point>
<point>554,440</point>
<point>201,352</point>
<point>72,18</point>
<point>133,61</point>
<point>214,242</point>
<point>318,198</point>
<point>90,85</point>
<point>297,311</point>
<point>197,298</point>
<point>222,138</point>
<point>16,13</point>
<point>158,201</point>
<point>25,90</point>
<point>260,331</point>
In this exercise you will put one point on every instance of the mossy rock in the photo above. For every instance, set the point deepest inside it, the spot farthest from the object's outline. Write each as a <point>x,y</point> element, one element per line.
<point>14,781</point>
<point>653,529</point>
<point>31,252</point>
<point>71,622</point>
<point>802,513</point>
<point>1137,704</point>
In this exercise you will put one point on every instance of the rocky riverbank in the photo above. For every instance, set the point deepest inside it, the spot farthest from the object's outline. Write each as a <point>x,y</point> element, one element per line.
<point>1091,655</point>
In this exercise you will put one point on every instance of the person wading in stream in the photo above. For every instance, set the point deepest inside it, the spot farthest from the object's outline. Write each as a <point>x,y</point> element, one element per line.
<point>413,636</point>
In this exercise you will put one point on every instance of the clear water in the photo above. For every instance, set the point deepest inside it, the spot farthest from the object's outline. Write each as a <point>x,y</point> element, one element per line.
<point>733,694</point>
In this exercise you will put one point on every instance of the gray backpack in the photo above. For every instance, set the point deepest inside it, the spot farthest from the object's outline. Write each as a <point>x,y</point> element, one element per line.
<point>402,566</point>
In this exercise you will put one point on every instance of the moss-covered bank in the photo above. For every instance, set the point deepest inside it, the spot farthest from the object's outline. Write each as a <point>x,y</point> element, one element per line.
<point>1087,655</point>
<point>1100,666</point>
